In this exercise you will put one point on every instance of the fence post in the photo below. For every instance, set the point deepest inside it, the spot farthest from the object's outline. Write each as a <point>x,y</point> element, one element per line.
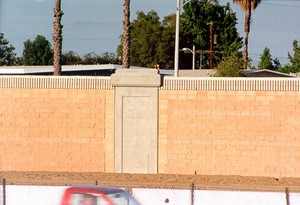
<point>287,195</point>
<point>4,191</point>
<point>192,194</point>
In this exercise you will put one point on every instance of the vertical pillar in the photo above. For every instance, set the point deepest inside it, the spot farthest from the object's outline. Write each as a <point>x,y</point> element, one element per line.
<point>136,120</point>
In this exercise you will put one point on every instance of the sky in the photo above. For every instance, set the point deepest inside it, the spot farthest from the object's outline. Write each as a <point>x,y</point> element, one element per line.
<point>96,25</point>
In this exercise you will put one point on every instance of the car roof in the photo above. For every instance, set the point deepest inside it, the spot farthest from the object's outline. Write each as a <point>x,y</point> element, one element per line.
<point>102,189</point>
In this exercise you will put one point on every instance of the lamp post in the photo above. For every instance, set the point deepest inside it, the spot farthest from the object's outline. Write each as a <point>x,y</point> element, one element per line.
<point>193,52</point>
<point>176,56</point>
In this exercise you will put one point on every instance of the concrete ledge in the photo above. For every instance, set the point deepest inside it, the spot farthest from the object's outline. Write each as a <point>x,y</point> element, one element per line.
<point>231,84</point>
<point>136,78</point>
<point>163,181</point>
<point>55,82</point>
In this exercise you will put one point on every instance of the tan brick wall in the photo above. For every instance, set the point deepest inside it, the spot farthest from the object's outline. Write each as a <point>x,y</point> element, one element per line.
<point>210,126</point>
<point>56,129</point>
<point>248,133</point>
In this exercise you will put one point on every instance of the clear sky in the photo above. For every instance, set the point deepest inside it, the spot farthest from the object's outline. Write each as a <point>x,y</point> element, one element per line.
<point>95,25</point>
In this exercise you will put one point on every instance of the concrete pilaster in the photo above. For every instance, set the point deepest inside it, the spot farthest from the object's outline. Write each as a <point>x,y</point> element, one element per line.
<point>136,120</point>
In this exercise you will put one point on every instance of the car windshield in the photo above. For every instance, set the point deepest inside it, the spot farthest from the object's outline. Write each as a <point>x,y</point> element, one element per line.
<point>85,199</point>
<point>122,198</point>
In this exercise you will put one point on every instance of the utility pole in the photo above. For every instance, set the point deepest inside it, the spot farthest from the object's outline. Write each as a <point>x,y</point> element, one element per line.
<point>194,61</point>
<point>211,44</point>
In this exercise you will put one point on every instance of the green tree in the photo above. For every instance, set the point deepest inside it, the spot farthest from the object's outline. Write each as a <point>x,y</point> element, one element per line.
<point>38,51</point>
<point>152,41</point>
<point>7,55</point>
<point>195,29</point>
<point>145,35</point>
<point>90,59</point>
<point>276,64</point>
<point>165,48</point>
<point>294,66</point>
<point>231,66</point>
<point>105,58</point>
<point>70,58</point>
<point>266,61</point>
<point>247,6</point>
<point>295,58</point>
<point>57,38</point>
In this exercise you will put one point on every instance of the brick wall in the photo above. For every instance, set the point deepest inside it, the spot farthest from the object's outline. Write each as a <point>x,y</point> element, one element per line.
<point>210,126</point>
<point>55,129</point>
<point>241,132</point>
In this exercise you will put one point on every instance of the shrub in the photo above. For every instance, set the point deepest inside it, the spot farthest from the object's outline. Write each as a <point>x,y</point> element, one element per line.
<point>231,66</point>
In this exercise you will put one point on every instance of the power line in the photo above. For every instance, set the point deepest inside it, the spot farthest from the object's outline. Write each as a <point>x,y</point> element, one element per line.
<point>281,29</point>
<point>284,0</point>
<point>65,24</point>
<point>77,39</point>
<point>284,5</point>
<point>280,4</point>
<point>271,46</point>
<point>255,57</point>
<point>281,0</point>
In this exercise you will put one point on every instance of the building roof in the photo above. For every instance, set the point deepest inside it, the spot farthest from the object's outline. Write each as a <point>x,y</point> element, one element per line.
<point>23,70</point>
<point>266,73</point>
<point>108,69</point>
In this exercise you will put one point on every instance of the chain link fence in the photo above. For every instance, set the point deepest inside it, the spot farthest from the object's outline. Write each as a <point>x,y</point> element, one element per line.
<point>157,196</point>
<point>50,195</point>
<point>212,197</point>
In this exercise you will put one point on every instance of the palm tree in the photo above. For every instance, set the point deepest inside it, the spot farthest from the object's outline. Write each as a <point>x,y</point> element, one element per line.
<point>57,37</point>
<point>126,35</point>
<point>247,6</point>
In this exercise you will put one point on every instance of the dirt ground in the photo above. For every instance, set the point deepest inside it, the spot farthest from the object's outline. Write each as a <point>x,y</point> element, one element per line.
<point>153,181</point>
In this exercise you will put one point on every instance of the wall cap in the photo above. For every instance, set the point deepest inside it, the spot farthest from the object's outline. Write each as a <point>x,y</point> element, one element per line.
<point>136,78</point>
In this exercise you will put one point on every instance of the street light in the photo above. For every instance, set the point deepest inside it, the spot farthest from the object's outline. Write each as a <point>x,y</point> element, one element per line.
<point>176,60</point>
<point>193,52</point>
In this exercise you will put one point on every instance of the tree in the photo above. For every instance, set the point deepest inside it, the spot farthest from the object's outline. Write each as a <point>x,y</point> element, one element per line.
<point>70,58</point>
<point>105,58</point>
<point>294,66</point>
<point>266,61</point>
<point>247,6</point>
<point>145,34</point>
<point>7,55</point>
<point>277,64</point>
<point>38,51</point>
<point>295,59</point>
<point>196,31</point>
<point>126,35</point>
<point>152,41</point>
<point>57,38</point>
<point>231,66</point>
<point>165,48</point>
<point>145,37</point>
<point>90,59</point>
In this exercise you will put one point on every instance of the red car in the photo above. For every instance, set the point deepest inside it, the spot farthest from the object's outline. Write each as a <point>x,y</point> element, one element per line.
<point>97,195</point>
